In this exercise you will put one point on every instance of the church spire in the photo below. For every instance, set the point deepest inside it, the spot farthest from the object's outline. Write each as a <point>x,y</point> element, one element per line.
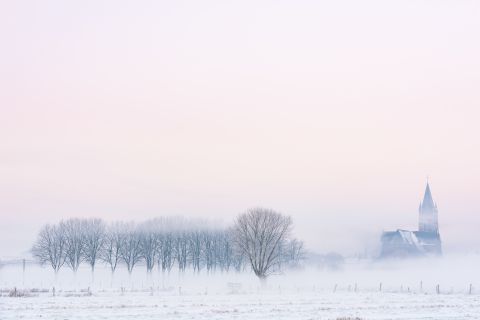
<point>428,221</point>
<point>427,202</point>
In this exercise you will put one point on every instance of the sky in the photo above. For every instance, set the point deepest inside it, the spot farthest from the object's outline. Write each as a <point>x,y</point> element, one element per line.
<point>333,112</point>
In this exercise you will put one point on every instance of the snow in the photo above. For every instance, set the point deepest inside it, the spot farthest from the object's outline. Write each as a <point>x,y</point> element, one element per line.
<point>267,305</point>
<point>408,291</point>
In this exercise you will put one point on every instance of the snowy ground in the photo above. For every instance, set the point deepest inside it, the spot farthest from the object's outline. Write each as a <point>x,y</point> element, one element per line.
<point>302,305</point>
<point>407,292</point>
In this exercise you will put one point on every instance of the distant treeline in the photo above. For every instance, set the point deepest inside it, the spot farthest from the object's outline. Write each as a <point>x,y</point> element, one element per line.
<point>164,243</point>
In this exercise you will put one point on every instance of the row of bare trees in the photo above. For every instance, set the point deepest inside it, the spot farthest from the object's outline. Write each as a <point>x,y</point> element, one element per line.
<point>168,243</point>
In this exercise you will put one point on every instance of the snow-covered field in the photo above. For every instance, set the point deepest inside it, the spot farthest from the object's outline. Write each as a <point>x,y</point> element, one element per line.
<point>408,291</point>
<point>272,305</point>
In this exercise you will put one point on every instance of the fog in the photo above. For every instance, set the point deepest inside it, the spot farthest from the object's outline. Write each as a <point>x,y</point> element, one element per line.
<point>394,276</point>
<point>333,113</point>
<point>419,289</point>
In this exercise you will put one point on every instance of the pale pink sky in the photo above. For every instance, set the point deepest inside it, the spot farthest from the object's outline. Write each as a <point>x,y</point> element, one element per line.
<point>333,112</point>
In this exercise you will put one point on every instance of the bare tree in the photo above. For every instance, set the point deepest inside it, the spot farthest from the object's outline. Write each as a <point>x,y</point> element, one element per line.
<point>50,247</point>
<point>259,238</point>
<point>181,250</point>
<point>226,255</point>
<point>239,261</point>
<point>94,239</point>
<point>195,248</point>
<point>74,230</point>
<point>130,250</point>
<point>294,252</point>
<point>209,248</point>
<point>259,234</point>
<point>112,245</point>
<point>149,242</point>
<point>165,254</point>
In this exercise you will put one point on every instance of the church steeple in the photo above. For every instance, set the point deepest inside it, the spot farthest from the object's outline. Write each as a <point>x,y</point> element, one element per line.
<point>428,202</point>
<point>428,213</point>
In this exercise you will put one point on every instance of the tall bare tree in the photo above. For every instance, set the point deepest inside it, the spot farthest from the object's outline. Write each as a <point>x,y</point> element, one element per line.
<point>259,238</point>
<point>166,254</point>
<point>131,249</point>
<point>94,239</point>
<point>195,248</point>
<point>111,252</point>
<point>74,230</point>
<point>50,247</point>
<point>226,255</point>
<point>294,252</point>
<point>259,234</point>
<point>149,243</point>
<point>181,250</point>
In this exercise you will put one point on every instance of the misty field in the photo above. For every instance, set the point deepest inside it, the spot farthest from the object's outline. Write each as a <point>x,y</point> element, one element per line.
<point>433,289</point>
<point>265,305</point>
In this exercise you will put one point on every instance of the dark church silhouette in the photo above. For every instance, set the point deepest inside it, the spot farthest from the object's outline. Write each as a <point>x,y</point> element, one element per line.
<point>425,241</point>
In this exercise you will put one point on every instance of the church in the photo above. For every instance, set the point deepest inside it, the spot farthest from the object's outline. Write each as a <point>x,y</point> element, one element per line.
<point>425,241</point>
